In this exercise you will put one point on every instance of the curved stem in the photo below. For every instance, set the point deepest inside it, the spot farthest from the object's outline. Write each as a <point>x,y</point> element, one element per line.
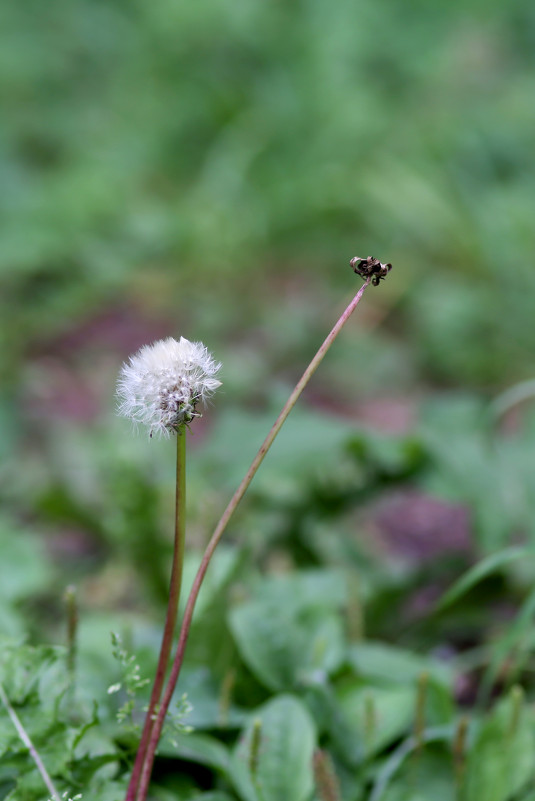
<point>172,610</point>
<point>21,731</point>
<point>218,532</point>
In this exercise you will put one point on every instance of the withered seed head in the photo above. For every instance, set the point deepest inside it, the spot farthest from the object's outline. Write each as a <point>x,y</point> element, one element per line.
<point>370,267</point>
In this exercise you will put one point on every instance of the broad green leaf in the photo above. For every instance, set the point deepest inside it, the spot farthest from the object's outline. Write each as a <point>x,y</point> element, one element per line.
<point>480,571</point>
<point>215,796</point>
<point>325,647</point>
<point>6,785</point>
<point>175,787</point>
<point>323,704</point>
<point>388,457</point>
<point>500,762</point>
<point>25,669</point>
<point>391,767</point>
<point>270,642</point>
<point>427,776</point>
<point>377,716</point>
<point>305,589</point>
<point>280,769</point>
<point>105,790</point>
<point>439,705</point>
<point>282,646</point>
<point>193,747</point>
<point>380,661</point>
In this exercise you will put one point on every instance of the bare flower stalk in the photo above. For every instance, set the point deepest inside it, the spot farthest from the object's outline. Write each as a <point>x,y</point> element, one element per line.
<point>71,604</point>
<point>220,528</point>
<point>21,731</point>
<point>172,611</point>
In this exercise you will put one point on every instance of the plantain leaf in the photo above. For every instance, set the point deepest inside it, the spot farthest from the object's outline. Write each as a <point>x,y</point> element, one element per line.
<point>480,571</point>
<point>281,645</point>
<point>273,758</point>
<point>500,763</point>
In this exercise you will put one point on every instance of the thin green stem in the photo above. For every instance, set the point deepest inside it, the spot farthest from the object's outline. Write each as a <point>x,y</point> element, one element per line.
<point>218,533</point>
<point>21,731</point>
<point>172,611</point>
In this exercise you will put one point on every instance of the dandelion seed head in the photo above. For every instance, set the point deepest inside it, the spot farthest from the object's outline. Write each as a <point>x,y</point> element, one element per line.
<point>162,384</point>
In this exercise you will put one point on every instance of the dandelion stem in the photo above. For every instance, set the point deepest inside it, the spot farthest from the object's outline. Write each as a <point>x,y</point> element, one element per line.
<point>172,610</point>
<point>21,731</point>
<point>218,533</point>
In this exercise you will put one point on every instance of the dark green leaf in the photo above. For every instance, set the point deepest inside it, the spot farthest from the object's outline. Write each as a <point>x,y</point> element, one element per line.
<point>200,748</point>
<point>281,645</point>
<point>480,571</point>
<point>381,661</point>
<point>281,766</point>
<point>377,716</point>
<point>500,762</point>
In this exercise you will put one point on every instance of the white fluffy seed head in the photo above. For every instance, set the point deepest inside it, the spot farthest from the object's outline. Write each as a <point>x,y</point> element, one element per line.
<point>161,385</point>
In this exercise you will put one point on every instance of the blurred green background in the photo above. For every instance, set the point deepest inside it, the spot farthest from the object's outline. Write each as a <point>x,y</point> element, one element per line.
<point>212,167</point>
<point>208,170</point>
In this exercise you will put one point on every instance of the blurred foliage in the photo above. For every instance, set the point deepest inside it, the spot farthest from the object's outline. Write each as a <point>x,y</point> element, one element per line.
<point>176,157</point>
<point>309,633</point>
<point>209,170</point>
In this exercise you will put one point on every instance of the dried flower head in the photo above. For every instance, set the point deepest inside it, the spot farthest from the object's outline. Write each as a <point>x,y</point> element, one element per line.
<point>370,267</point>
<point>162,384</point>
